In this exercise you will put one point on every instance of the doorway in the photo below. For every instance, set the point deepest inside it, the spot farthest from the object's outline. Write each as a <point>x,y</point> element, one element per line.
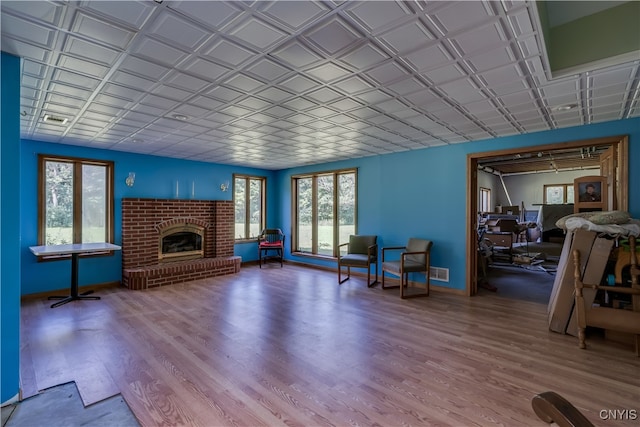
<point>616,168</point>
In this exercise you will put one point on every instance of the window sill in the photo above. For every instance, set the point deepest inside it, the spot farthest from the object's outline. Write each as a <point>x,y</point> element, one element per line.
<point>316,256</point>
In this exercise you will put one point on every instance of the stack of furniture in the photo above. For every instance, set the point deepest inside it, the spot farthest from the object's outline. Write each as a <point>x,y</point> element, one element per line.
<point>609,318</point>
<point>585,290</point>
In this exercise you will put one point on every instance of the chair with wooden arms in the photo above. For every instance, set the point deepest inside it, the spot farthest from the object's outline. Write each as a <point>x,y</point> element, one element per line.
<point>414,258</point>
<point>616,319</point>
<point>270,240</point>
<point>362,252</point>
<point>550,407</point>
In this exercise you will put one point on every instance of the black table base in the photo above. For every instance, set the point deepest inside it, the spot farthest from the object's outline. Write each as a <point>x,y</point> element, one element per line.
<point>67,298</point>
<point>74,286</point>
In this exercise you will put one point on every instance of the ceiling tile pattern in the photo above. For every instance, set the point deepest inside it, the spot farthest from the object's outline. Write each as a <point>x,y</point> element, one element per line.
<point>289,83</point>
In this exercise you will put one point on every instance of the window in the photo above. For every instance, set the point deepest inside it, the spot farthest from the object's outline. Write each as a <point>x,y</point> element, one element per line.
<point>249,201</point>
<point>558,194</point>
<point>75,200</point>
<point>325,211</point>
<point>485,200</point>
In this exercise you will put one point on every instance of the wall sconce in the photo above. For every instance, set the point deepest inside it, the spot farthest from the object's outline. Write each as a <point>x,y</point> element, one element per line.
<point>130,179</point>
<point>224,186</point>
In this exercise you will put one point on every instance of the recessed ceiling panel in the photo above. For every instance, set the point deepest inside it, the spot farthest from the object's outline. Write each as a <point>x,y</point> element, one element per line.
<point>430,57</point>
<point>387,73</point>
<point>481,38</point>
<point>210,71</point>
<point>268,70</point>
<point>227,53</point>
<point>158,51</point>
<point>353,85</point>
<point>407,37</point>
<point>494,58</point>
<point>333,36</point>
<point>297,55</point>
<point>299,84</point>
<point>86,67</point>
<point>328,72</point>
<point>445,74</point>
<point>179,32</point>
<point>258,34</point>
<point>101,31</point>
<point>459,15</point>
<point>133,13</point>
<point>376,15</point>
<point>74,79</point>
<point>27,31</point>
<point>214,14</point>
<point>364,57</point>
<point>132,80</point>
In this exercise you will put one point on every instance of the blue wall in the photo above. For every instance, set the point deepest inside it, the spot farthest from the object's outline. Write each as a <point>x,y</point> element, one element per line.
<point>10,185</point>
<point>155,178</point>
<point>422,193</point>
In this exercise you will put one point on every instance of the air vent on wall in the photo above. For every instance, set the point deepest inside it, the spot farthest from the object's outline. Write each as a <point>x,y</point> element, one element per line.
<point>54,120</point>
<point>439,273</point>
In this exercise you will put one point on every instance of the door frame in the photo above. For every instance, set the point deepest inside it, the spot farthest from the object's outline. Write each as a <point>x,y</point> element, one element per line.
<point>621,146</point>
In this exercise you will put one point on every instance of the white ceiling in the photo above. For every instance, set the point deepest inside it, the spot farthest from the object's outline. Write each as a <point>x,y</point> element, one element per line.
<point>282,84</point>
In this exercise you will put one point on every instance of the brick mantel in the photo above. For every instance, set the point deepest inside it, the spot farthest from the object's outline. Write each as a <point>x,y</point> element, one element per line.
<point>142,219</point>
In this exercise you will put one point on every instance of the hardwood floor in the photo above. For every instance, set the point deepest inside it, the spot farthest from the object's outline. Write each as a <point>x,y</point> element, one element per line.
<point>288,346</point>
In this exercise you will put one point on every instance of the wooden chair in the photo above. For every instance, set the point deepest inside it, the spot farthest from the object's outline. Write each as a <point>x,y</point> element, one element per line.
<point>416,257</point>
<point>605,317</point>
<point>550,407</point>
<point>271,240</point>
<point>362,252</point>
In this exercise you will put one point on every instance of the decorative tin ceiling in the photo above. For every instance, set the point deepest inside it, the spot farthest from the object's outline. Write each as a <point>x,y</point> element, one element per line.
<point>282,84</point>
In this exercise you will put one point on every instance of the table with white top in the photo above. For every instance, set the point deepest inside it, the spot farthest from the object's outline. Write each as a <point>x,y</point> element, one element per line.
<point>74,250</point>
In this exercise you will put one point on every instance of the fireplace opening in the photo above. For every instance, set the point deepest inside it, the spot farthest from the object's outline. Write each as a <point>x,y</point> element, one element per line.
<point>181,243</point>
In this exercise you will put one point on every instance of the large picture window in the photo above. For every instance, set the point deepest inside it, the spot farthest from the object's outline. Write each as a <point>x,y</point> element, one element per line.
<point>325,211</point>
<point>75,200</point>
<point>249,201</point>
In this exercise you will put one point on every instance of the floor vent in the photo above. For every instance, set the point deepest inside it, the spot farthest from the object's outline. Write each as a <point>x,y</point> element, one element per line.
<point>439,273</point>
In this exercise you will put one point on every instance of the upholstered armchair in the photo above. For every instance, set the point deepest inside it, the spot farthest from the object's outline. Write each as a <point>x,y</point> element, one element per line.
<point>362,252</point>
<point>414,258</point>
<point>270,245</point>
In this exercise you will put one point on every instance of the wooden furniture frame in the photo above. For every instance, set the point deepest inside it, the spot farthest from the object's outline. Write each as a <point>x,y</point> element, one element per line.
<point>605,317</point>
<point>362,252</point>
<point>409,263</point>
<point>550,407</point>
<point>600,184</point>
<point>271,239</point>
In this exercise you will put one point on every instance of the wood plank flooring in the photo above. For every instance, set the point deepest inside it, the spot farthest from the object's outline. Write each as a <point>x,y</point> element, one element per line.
<point>289,346</point>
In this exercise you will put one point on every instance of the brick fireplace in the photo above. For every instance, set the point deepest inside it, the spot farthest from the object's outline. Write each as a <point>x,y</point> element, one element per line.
<point>143,221</point>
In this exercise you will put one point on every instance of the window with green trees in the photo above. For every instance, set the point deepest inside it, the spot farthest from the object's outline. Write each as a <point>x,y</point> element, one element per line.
<point>249,201</point>
<point>325,211</point>
<point>75,200</point>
